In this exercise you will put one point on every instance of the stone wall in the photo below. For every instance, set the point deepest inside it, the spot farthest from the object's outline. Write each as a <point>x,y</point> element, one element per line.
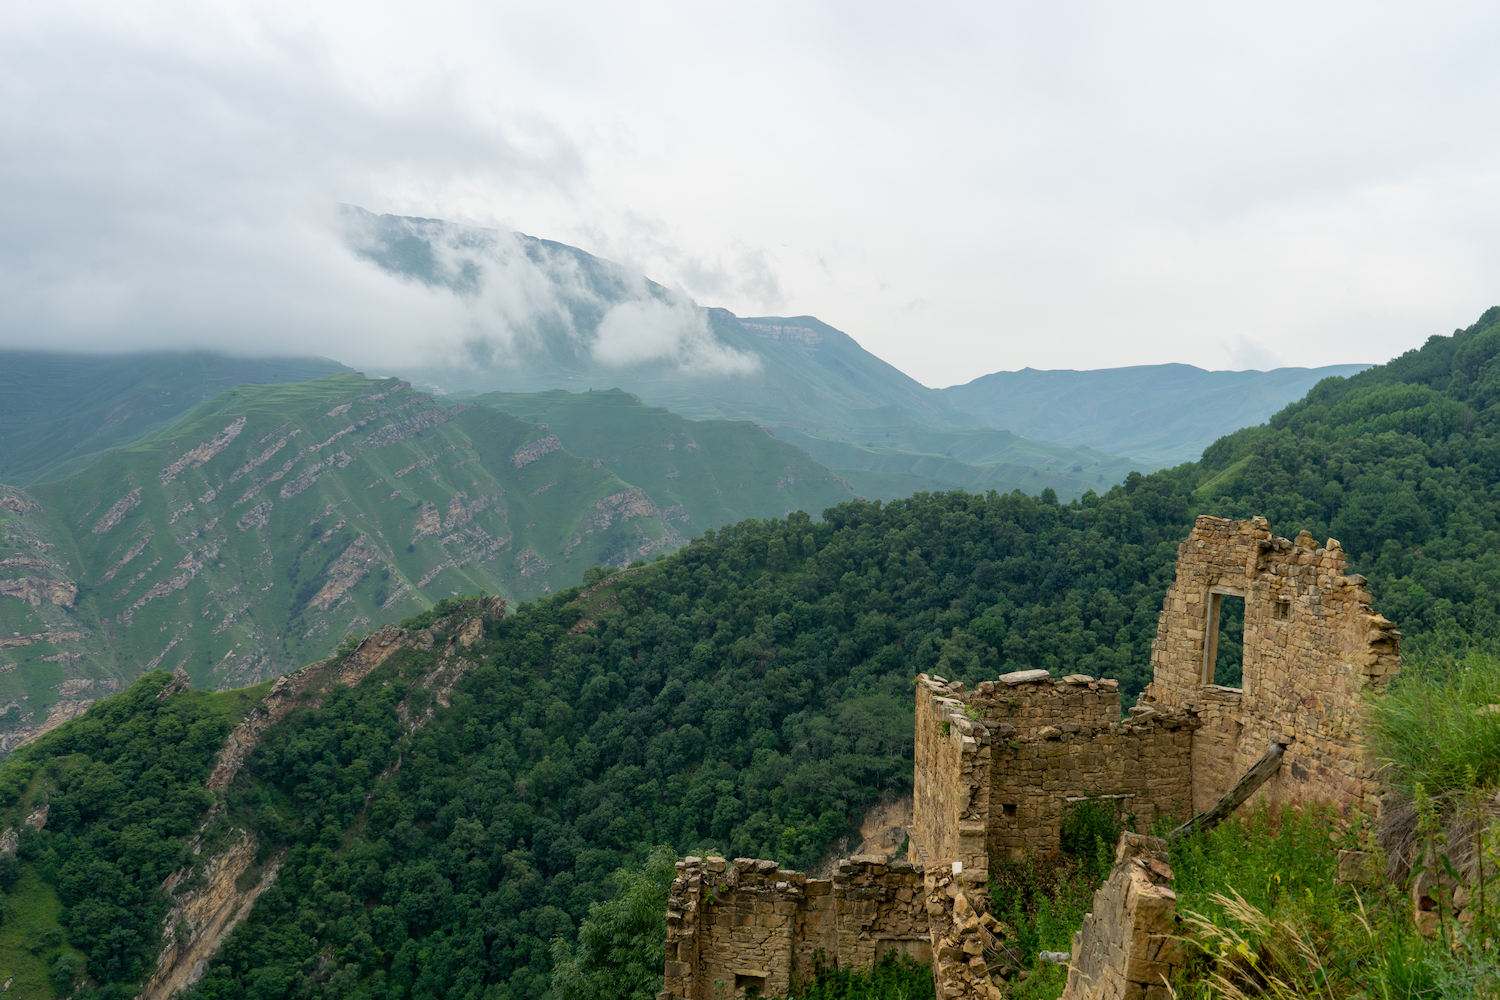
<point>1030,701</point>
<point>997,767</point>
<point>951,781</point>
<point>1131,941</point>
<point>963,935</point>
<point>1313,647</point>
<point>878,907</point>
<point>1049,744</point>
<point>1142,769</point>
<point>748,925</point>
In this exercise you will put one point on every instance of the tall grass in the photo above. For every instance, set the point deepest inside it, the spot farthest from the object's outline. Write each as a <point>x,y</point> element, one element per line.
<point>1269,919</point>
<point>1042,902</point>
<point>1429,729</point>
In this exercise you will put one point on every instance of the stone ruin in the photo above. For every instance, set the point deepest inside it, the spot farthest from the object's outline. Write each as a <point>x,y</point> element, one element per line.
<point>998,767</point>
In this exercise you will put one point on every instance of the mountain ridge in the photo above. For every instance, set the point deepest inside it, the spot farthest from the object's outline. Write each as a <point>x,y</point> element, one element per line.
<point>61,411</point>
<point>748,695</point>
<point>1156,413</point>
<point>250,535</point>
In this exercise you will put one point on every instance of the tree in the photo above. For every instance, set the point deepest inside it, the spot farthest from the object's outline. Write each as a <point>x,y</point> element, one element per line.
<point>621,949</point>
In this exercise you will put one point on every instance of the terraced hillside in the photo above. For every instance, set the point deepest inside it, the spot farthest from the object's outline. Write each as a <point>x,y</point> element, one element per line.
<point>251,536</point>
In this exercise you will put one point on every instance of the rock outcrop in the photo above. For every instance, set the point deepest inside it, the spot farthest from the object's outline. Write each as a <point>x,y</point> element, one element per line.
<point>61,711</point>
<point>196,457</point>
<point>1131,942</point>
<point>34,590</point>
<point>203,916</point>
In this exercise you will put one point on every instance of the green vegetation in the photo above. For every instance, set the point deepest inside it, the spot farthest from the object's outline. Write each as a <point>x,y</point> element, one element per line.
<point>123,787</point>
<point>31,933</point>
<point>1042,902</point>
<point>621,943</point>
<point>892,977</point>
<point>1401,463</point>
<point>889,460</point>
<point>343,504</point>
<point>1269,919</point>
<point>1264,917</point>
<point>751,693</point>
<point>60,412</point>
<point>709,473</point>
<point>1436,729</point>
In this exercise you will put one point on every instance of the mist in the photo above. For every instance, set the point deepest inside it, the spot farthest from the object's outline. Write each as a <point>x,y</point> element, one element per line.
<point>964,190</point>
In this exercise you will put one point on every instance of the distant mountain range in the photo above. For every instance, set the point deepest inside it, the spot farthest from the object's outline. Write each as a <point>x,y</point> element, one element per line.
<point>237,517</point>
<point>602,326</point>
<point>249,536</point>
<point>1158,413</point>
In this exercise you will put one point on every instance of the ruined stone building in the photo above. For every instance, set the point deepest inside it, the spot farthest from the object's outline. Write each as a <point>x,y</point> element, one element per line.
<point>997,767</point>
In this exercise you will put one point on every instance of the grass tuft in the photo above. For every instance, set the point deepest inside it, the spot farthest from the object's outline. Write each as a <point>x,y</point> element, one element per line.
<point>1434,727</point>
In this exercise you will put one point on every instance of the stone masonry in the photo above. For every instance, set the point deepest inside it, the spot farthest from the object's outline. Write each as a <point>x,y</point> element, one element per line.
<point>998,767</point>
<point>746,926</point>
<point>1313,648</point>
<point>1131,941</point>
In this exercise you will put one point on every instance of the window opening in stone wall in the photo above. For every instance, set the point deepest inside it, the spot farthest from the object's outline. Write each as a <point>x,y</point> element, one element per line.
<point>1281,610</point>
<point>750,984</point>
<point>1091,826</point>
<point>1226,641</point>
<point>1009,809</point>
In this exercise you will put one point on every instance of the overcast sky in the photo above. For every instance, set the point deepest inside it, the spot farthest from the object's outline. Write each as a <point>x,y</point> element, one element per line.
<point>964,188</point>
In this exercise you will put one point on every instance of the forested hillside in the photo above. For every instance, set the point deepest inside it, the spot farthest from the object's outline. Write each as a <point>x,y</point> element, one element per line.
<point>1401,463</point>
<point>750,693</point>
<point>250,536</point>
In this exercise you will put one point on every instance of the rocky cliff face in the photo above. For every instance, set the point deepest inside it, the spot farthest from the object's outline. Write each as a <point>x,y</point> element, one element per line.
<point>222,894</point>
<point>250,537</point>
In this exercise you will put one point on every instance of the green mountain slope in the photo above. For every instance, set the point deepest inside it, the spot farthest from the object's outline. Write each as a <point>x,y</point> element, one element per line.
<point>253,534</point>
<point>250,536</point>
<point>749,693</point>
<point>58,412</point>
<point>701,473</point>
<point>885,457</point>
<point>793,374</point>
<point>1157,413</point>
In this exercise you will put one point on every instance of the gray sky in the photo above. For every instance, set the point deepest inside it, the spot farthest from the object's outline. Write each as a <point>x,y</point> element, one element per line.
<point>964,188</point>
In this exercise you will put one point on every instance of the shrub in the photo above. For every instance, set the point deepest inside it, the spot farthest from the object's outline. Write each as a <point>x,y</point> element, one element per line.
<point>893,977</point>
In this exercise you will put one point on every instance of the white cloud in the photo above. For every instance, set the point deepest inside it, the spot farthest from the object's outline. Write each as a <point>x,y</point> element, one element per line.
<point>649,329</point>
<point>1058,186</point>
<point>1247,354</point>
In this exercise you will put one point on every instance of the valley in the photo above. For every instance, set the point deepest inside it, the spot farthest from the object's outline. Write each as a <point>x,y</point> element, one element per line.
<point>440,804</point>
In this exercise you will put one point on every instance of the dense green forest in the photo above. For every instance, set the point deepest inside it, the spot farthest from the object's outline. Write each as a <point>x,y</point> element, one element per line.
<point>750,694</point>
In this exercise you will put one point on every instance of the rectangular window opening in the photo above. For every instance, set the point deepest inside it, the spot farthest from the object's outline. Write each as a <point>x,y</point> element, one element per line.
<point>749,984</point>
<point>1281,610</point>
<point>1224,659</point>
<point>1010,809</point>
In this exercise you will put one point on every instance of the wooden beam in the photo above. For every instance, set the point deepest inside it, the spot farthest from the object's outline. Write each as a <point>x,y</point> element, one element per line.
<point>1242,790</point>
